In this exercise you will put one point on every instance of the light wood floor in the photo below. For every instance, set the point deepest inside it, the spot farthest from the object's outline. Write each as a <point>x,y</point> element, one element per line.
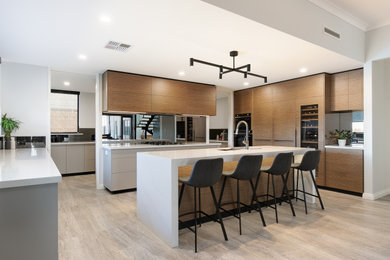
<point>94,224</point>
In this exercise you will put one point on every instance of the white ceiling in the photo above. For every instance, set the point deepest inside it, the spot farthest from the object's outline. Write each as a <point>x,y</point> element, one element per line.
<point>365,14</point>
<point>78,82</point>
<point>164,35</point>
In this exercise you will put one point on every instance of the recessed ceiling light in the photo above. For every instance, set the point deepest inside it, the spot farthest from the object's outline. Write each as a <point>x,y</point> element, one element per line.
<point>246,83</point>
<point>182,73</point>
<point>82,57</point>
<point>303,70</point>
<point>66,83</point>
<point>105,19</point>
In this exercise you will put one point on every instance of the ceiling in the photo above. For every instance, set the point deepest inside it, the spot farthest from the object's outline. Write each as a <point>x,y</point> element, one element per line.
<point>77,82</point>
<point>163,35</point>
<point>366,15</point>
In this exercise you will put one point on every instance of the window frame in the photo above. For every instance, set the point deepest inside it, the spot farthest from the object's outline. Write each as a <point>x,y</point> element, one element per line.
<point>69,92</point>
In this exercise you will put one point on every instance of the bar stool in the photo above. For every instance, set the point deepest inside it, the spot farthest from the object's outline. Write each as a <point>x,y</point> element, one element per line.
<point>280,167</point>
<point>309,162</point>
<point>247,168</point>
<point>205,173</point>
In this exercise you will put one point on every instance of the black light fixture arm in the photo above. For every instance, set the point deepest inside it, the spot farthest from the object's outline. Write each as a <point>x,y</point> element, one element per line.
<point>245,69</point>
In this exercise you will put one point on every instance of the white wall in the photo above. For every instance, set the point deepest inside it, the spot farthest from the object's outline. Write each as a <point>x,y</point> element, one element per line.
<point>302,19</point>
<point>221,120</point>
<point>25,97</point>
<point>87,110</point>
<point>376,103</point>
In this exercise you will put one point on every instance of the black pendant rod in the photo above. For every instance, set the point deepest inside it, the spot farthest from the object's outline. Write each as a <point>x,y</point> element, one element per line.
<point>222,68</point>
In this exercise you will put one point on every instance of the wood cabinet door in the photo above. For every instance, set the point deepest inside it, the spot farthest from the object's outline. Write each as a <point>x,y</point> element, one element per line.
<point>127,92</point>
<point>89,157</point>
<point>344,169</point>
<point>262,121</point>
<point>179,97</point>
<point>243,101</point>
<point>313,86</point>
<point>283,113</point>
<point>284,91</point>
<point>355,90</point>
<point>339,92</point>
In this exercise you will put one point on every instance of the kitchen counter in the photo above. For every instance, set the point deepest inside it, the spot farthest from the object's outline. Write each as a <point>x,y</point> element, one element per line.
<point>120,161</point>
<point>28,204</point>
<point>354,147</point>
<point>73,143</point>
<point>24,167</point>
<point>157,183</point>
<point>125,146</point>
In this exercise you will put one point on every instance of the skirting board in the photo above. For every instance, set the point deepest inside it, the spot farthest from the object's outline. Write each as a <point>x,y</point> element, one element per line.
<point>377,195</point>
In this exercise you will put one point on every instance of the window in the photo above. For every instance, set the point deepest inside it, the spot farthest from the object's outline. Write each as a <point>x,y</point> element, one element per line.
<point>64,108</point>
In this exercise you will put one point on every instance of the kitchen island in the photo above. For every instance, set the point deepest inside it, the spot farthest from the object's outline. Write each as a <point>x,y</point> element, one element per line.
<point>157,182</point>
<point>28,204</point>
<point>120,161</point>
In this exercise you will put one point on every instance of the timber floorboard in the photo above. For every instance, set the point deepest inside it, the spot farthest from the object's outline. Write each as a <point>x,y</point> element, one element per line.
<point>94,224</point>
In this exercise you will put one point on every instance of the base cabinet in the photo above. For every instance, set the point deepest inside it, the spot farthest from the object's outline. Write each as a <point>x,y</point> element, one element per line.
<point>74,158</point>
<point>344,169</point>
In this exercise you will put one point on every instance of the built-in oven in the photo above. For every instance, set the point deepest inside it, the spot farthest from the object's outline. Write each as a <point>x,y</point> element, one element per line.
<point>240,137</point>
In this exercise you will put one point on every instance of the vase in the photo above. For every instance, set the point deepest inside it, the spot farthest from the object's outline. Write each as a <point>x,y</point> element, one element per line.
<point>7,143</point>
<point>342,142</point>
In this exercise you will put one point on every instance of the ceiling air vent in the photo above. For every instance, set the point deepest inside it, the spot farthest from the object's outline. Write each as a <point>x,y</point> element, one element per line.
<point>117,46</point>
<point>331,33</point>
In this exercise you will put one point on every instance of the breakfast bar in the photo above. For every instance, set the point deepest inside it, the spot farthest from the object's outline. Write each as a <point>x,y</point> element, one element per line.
<point>157,182</point>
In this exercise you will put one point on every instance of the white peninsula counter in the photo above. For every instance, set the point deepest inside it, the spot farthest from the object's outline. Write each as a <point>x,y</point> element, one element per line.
<point>28,204</point>
<point>120,161</point>
<point>157,183</point>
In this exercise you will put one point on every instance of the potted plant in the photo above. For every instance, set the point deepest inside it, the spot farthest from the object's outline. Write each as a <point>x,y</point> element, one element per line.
<point>9,125</point>
<point>342,136</point>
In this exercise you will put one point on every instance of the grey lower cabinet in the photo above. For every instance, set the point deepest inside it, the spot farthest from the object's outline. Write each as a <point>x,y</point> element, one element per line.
<point>74,158</point>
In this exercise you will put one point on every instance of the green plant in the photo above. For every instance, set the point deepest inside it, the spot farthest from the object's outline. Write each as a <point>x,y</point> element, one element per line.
<point>341,134</point>
<point>9,125</point>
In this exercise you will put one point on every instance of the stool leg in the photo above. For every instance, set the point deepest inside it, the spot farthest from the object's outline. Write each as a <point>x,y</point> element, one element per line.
<point>254,195</point>
<point>222,189</point>
<point>288,195</point>
<point>196,224</point>
<point>268,189</point>
<point>258,204</point>
<point>304,191</point>
<point>181,193</point>
<point>218,213</point>
<point>239,204</point>
<point>318,193</point>
<point>296,190</point>
<point>275,204</point>
<point>200,208</point>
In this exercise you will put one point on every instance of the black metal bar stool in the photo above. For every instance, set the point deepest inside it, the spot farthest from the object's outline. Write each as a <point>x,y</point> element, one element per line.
<point>309,163</point>
<point>247,168</point>
<point>205,173</point>
<point>280,167</point>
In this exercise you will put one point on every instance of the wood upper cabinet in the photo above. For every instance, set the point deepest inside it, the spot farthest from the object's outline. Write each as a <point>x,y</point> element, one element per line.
<point>123,92</point>
<point>346,91</point>
<point>313,86</point>
<point>344,169</point>
<point>243,101</point>
<point>355,90</point>
<point>179,97</point>
<point>284,91</point>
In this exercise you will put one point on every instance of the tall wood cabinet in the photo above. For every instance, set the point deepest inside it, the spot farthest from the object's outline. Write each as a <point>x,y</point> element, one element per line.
<point>243,101</point>
<point>126,92</point>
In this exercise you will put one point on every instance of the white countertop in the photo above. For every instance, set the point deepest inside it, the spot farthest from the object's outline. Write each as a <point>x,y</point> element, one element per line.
<point>118,146</point>
<point>25,167</point>
<point>268,151</point>
<point>354,147</point>
<point>73,143</point>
